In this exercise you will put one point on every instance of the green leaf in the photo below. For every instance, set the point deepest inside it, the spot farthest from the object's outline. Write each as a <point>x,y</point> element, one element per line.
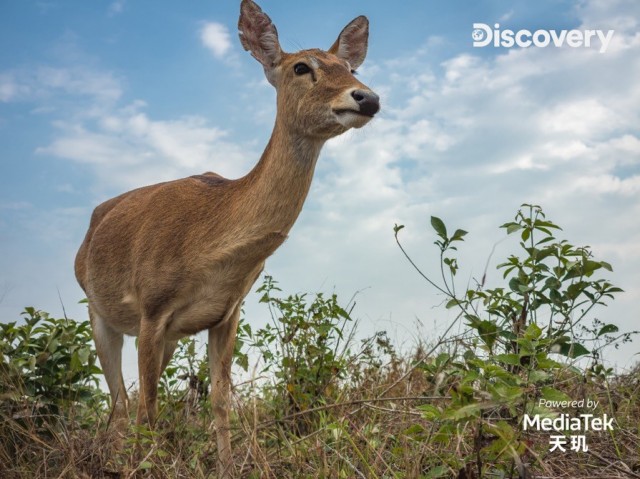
<point>430,412</point>
<point>514,284</point>
<point>458,235</point>
<point>438,471</point>
<point>606,265</point>
<point>552,283</point>
<point>242,360</point>
<point>487,330</point>
<point>552,394</point>
<point>397,228</point>
<point>607,329</point>
<point>512,359</point>
<point>511,227</point>
<point>439,226</point>
<point>75,362</point>
<point>504,394</point>
<point>53,345</point>
<point>83,355</point>
<point>537,376</point>
<point>533,331</point>
<point>442,359</point>
<point>452,303</point>
<point>573,350</point>
<point>547,363</point>
<point>545,224</point>
<point>590,266</point>
<point>414,430</point>
<point>470,410</point>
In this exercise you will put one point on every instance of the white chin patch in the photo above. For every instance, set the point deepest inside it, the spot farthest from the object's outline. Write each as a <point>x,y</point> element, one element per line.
<point>350,119</point>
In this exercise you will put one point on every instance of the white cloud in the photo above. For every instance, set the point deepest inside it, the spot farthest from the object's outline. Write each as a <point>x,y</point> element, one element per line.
<point>47,83</point>
<point>123,143</point>
<point>15,205</point>
<point>80,81</point>
<point>599,184</point>
<point>507,16</point>
<point>7,88</point>
<point>117,7</point>
<point>585,117</point>
<point>10,89</point>
<point>215,36</point>
<point>616,14</point>
<point>127,148</point>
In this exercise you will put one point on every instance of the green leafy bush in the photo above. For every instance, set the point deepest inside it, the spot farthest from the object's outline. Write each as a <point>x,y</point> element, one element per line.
<point>47,364</point>
<point>305,348</point>
<point>517,336</point>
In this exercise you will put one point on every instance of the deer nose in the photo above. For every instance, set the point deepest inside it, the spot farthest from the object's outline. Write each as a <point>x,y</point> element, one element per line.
<point>368,102</point>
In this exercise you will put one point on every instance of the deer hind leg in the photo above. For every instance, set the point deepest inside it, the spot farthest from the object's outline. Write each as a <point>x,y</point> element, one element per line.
<point>151,355</point>
<point>109,348</point>
<point>221,345</point>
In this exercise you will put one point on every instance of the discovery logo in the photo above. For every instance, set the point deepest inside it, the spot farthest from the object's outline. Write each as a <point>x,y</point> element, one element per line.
<point>483,35</point>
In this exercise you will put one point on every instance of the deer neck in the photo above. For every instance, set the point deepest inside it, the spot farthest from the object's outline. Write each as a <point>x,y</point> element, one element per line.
<point>278,185</point>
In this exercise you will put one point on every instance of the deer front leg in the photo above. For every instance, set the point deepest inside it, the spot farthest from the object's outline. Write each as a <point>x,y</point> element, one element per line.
<point>221,345</point>
<point>151,351</point>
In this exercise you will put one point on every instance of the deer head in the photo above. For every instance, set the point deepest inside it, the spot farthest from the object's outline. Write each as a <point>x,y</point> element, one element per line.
<point>318,94</point>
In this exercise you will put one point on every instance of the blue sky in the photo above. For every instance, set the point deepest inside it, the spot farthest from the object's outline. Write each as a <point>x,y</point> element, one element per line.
<point>100,97</point>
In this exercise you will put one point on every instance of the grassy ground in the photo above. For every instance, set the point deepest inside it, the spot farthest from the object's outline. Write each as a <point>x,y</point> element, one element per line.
<point>375,423</point>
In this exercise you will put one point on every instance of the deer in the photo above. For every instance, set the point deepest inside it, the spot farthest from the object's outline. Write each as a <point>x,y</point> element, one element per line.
<point>169,260</point>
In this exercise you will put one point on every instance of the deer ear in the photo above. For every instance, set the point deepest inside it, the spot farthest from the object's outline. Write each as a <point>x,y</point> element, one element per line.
<point>351,44</point>
<point>259,36</point>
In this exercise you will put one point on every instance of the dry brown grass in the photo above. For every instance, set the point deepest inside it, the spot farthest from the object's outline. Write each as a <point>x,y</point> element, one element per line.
<point>374,427</point>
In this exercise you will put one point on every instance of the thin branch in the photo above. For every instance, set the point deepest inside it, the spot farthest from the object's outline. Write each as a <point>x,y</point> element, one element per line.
<point>406,255</point>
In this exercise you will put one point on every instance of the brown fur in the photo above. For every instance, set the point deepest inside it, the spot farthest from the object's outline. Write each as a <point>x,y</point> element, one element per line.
<point>169,260</point>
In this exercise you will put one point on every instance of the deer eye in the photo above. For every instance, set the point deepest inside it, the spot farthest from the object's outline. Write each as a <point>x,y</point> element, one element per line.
<point>301,68</point>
